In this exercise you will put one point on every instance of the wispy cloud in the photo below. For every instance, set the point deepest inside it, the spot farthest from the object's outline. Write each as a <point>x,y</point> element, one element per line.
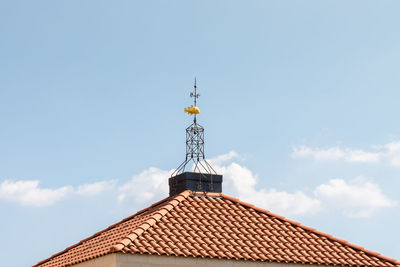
<point>222,159</point>
<point>393,153</point>
<point>152,184</point>
<point>149,185</point>
<point>241,182</point>
<point>95,188</point>
<point>336,153</point>
<point>356,198</point>
<point>29,192</point>
<point>389,153</point>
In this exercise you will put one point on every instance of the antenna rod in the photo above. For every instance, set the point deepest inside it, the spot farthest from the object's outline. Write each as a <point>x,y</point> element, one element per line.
<point>195,98</point>
<point>195,92</point>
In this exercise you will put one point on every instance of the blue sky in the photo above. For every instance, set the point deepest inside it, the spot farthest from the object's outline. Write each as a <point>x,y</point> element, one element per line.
<point>299,99</point>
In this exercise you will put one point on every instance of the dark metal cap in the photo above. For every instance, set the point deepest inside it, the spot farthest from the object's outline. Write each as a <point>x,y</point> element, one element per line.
<point>194,181</point>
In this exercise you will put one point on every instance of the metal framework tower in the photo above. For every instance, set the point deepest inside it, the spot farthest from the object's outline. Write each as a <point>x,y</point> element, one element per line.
<point>195,142</point>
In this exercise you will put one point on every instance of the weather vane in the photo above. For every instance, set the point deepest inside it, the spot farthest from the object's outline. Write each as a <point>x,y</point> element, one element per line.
<point>195,141</point>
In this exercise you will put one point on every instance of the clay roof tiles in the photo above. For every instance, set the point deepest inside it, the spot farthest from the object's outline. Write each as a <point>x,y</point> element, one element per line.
<point>214,225</point>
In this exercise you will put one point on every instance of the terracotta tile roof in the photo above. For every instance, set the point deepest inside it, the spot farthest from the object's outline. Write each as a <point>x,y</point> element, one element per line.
<point>214,225</point>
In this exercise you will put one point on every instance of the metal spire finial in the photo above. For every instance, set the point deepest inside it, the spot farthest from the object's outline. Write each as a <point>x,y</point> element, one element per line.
<point>195,141</point>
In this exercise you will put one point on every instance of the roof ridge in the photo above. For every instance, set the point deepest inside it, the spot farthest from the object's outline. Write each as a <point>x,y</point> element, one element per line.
<point>150,221</point>
<point>310,229</point>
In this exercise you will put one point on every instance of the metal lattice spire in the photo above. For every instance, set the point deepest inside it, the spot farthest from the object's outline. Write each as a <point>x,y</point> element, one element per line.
<point>195,141</point>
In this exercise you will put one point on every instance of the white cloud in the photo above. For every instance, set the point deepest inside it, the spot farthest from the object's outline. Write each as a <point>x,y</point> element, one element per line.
<point>28,193</point>
<point>393,153</point>
<point>362,156</point>
<point>221,159</point>
<point>346,154</point>
<point>333,153</point>
<point>240,182</point>
<point>357,198</point>
<point>149,185</point>
<point>95,188</point>
<point>152,184</point>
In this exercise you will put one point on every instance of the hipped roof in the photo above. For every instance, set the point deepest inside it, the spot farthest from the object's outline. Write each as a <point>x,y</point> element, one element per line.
<point>215,225</point>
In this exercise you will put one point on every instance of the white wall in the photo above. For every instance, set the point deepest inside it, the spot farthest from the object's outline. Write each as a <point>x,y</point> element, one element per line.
<point>137,260</point>
<point>104,261</point>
